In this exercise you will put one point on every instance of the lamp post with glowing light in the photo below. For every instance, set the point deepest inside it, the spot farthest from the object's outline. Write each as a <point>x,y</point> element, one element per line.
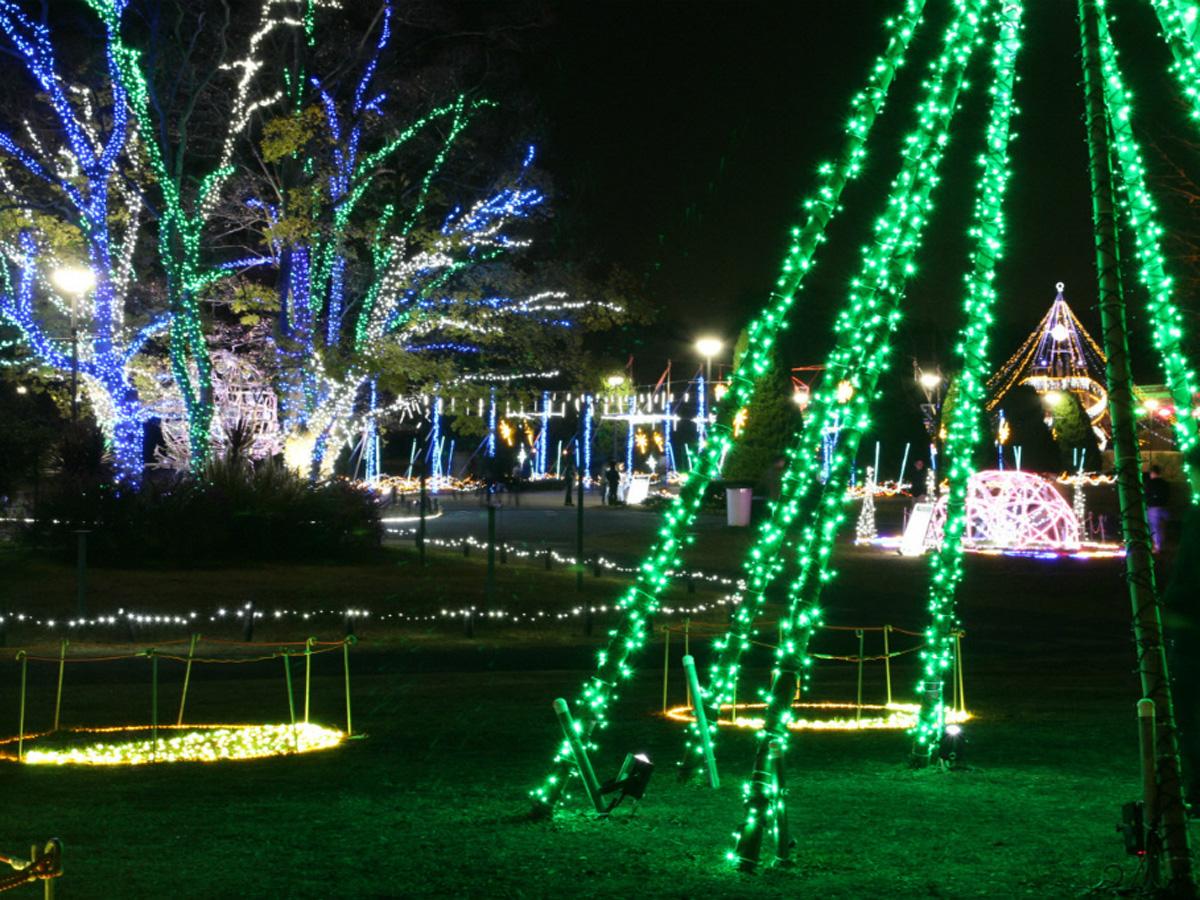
<point>708,347</point>
<point>614,383</point>
<point>930,383</point>
<point>75,282</point>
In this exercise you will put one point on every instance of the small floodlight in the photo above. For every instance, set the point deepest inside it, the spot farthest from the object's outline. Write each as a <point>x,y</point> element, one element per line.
<point>631,780</point>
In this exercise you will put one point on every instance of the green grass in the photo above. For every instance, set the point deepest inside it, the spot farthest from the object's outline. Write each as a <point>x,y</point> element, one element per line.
<point>432,802</point>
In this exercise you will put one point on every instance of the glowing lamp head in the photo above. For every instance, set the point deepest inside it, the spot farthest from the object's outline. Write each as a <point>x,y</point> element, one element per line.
<point>845,390</point>
<point>929,380</point>
<point>298,452</point>
<point>1059,333</point>
<point>614,381</point>
<point>801,398</point>
<point>708,347</point>
<point>74,280</point>
<point>1052,398</point>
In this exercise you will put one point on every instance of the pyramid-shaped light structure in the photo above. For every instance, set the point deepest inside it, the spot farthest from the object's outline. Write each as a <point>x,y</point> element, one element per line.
<point>1059,355</point>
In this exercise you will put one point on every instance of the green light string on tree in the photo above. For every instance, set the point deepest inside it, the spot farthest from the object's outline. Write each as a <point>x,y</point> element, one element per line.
<point>963,432</point>
<point>833,403</point>
<point>179,231</point>
<point>642,598</point>
<point>765,804</point>
<point>1140,209</point>
<point>1186,67</point>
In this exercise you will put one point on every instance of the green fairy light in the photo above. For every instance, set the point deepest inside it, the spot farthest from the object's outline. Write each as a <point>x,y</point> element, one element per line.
<point>1139,207</point>
<point>1186,67</point>
<point>863,346</point>
<point>852,370</point>
<point>963,432</point>
<point>642,598</point>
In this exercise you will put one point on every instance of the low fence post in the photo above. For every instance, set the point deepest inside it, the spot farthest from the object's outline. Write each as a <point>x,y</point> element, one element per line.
<point>887,663</point>
<point>153,697</point>
<point>187,678</point>
<point>858,632</point>
<point>346,667</point>
<point>308,645</point>
<point>62,664</point>
<point>24,660</point>
<point>666,629</point>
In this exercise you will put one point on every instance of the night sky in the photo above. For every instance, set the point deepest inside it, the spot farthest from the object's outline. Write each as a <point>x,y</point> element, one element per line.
<point>681,137</point>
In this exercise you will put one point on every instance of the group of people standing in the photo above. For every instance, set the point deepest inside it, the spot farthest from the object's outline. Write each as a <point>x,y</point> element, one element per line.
<point>609,484</point>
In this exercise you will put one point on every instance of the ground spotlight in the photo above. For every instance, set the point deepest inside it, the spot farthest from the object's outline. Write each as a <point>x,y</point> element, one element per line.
<point>630,781</point>
<point>951,747</point>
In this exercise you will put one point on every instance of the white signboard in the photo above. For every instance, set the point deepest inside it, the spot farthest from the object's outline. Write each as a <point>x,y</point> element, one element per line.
<point>913,543</point>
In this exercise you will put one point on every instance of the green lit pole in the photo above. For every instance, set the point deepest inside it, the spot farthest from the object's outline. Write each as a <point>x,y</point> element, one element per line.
<point>765,806</point>
<point>962,432</point>
<point>641,599</point>
<point>1165,319</point>
<point>1139,565</point>
<point>1186,68</point>
<point>852,370</point>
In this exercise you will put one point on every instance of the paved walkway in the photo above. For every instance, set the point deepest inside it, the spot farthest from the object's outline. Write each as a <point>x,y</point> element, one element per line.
<point>541,519</point>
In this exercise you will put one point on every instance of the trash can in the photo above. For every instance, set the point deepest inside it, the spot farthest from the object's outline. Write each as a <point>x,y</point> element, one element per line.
<point>737,506</point>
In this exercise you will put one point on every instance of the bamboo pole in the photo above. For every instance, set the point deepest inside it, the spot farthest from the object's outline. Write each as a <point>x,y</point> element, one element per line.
<point>710,762</point>
<point>1139,565</point>
<point>582,763</point>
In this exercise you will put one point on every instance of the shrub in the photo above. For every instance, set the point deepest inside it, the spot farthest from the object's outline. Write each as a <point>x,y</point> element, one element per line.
<point>234,513</point>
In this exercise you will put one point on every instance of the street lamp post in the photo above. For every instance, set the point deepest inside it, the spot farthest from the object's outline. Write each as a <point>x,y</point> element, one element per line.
<point>708,347</point>
<point>75,282</point>
<point>614,382</point>
<point>930,382</point>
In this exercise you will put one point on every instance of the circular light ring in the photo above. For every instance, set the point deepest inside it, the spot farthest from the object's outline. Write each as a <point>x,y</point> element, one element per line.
<point>131,745</point>
<point>808,716</point>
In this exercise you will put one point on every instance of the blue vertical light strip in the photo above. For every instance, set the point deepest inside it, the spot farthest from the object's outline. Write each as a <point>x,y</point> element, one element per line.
<point>543,444</point>
<point>668,450</point>
<point>491,435</point>
<point>629,436</point>
<point>434,454</point>
<point>999,444</point>
<point>701,410</point>
<point>371,439</point>
<point>589,425</point>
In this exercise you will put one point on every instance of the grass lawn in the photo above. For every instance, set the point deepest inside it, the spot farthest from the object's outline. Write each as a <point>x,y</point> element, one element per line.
<point>432,802</point>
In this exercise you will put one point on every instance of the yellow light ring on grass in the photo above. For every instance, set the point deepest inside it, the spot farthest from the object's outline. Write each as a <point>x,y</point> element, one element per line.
<point>175,743</point>
<point>874,717</point>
